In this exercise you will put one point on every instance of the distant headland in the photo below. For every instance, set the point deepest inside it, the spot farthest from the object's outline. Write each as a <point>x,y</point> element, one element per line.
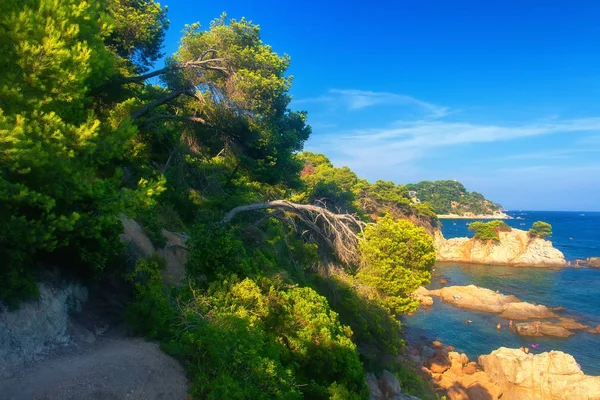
<point>450,199</point>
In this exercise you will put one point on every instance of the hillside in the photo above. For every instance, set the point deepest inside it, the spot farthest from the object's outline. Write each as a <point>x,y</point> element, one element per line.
<point>451,197</point>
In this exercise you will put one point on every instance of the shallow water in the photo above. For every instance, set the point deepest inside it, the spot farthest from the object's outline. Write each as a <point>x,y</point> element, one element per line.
<point>574,289</point>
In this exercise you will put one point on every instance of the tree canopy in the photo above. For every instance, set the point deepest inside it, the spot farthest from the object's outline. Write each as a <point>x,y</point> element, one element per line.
<point>451,197</point>
<point>540,229</point>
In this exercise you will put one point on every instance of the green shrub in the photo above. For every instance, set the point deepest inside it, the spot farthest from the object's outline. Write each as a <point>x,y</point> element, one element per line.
<point>396,258</point>
<point>540,229</point>
<point>489,230</point>
<point>250,339</point>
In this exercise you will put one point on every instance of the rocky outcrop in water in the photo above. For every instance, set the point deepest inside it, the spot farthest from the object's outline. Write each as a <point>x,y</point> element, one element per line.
<point>481,299</point>
<point>552,375</point>
<point>514,248</point>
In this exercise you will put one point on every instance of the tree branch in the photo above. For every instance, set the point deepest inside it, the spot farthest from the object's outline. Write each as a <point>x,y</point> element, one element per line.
<point>200,63</point>
<point>338,231</point>
<point>196,120</point>
<point>156,103</point>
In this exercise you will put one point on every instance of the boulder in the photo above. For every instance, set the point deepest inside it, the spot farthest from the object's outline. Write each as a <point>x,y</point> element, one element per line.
<point>386,388</point>
<point>545,329</point>
<point>595,330</point>
<point>570,323</point>
<point>473,298</point>
<point>593,262</point>
<point>139,246</point>
<point>438,363</point>
<point>390,385</point>
<point>551,375</point>
<point>427,352</point>
<point>470,368</point>
<point>422,297</point>
<point>373,384</point>
<point>38,326</point>
<point>523,310</point>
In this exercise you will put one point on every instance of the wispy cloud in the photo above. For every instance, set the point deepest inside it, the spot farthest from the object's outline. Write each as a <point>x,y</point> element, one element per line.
<point>550,155</point>
<point>352,100</point>
<point>406,141</point>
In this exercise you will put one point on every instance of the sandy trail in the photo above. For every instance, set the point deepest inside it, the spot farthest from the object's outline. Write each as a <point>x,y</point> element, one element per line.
<point>110,368</point>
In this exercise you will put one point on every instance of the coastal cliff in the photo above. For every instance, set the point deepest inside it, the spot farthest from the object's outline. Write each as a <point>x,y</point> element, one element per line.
<point>470,215</point>
<point>513,248</point>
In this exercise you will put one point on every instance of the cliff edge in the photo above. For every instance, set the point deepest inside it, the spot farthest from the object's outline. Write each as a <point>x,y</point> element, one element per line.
<point>513,248</point>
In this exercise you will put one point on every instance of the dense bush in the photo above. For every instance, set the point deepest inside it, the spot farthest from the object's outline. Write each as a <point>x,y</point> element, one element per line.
<point>397,258</point>
<point>252,338</point>
<point>540,229</point>
<point>489,230</point>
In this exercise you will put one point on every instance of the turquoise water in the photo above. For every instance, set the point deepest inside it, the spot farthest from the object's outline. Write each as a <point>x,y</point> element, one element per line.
<point>577,290</point>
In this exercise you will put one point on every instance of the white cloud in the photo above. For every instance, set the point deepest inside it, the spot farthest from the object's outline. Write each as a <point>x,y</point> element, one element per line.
<point>352,100</point>
<point>376,149</point>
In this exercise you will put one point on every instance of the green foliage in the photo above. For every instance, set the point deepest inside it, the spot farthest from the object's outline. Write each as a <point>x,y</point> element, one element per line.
<point>397,258</point>
<point>150,313</point>
<point>251,339</point>
<point>489,230</point>
<point>540,229</point>
<point>59,188</point>
<point>451,197</point>
<point>340,190</point>
<point>138,30</point>
<point>377,334</point>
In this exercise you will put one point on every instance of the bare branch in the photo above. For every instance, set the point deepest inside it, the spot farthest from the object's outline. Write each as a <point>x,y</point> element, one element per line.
<point>338,231</point>
<point>156,103</point>
<point>200,63</point>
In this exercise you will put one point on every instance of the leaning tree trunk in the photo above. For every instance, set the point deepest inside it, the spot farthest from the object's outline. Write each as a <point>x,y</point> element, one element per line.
<point>339,231</point>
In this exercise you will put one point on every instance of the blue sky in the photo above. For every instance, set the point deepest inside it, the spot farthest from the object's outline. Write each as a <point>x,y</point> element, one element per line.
<point>503,96</point>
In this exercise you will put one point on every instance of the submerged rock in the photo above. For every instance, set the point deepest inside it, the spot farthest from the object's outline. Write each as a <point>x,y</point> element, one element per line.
<point>514,248</point>
<point>546,376</point>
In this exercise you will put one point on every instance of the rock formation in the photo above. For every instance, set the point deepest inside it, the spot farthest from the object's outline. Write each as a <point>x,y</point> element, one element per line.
<point>139,246</point>
<point>503,374</point>
<point>481,299</point>
<point>548,376</point>
<point>514,248</point>
<point>38,326</point>
<point>386,388</point>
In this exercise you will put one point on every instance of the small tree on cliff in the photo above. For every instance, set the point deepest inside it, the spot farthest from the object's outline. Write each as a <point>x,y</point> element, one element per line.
<point>540,229</point>
<point>488,230</point>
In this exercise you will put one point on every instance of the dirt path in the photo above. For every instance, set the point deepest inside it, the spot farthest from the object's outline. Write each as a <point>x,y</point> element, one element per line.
<point>109,369</point>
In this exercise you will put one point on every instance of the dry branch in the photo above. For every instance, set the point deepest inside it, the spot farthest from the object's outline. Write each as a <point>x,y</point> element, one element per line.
<point>339,231</point>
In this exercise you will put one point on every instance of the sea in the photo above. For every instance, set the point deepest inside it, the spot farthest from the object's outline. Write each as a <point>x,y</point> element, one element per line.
<point>577,235</point>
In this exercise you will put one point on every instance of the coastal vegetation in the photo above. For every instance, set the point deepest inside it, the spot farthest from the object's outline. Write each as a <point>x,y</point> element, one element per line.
<point>451,197</point>
<point>487,231</point>
<point>297,270</point>
<point>540,229</point>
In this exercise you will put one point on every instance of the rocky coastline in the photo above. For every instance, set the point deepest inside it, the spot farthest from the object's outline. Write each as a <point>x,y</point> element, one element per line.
<point>514,248</point>
<point>531,319</point>
<point>504,373</point>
